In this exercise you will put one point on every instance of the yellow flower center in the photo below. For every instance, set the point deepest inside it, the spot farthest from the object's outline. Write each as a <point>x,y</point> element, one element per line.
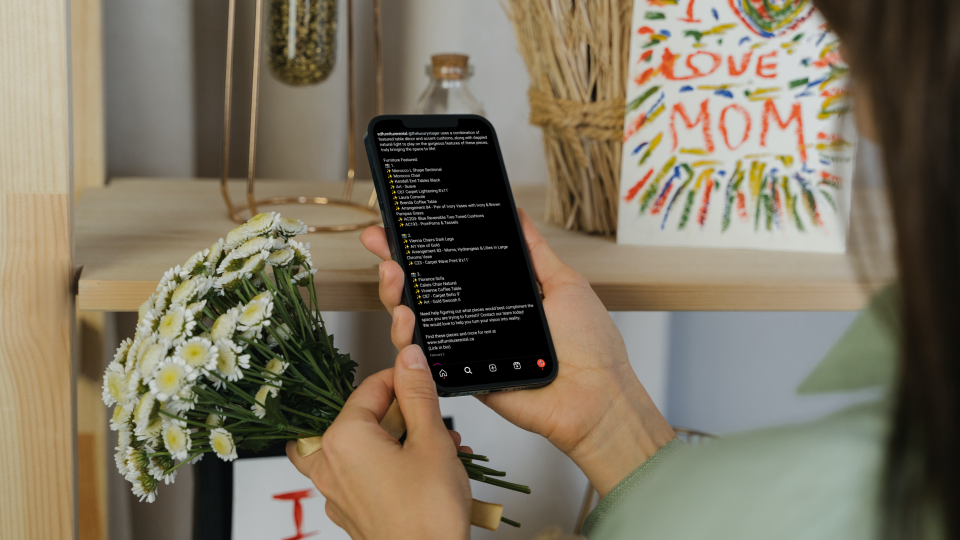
<point>194,354</point>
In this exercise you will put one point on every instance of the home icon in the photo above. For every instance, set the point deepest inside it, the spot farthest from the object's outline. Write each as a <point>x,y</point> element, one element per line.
<point>443,374</point>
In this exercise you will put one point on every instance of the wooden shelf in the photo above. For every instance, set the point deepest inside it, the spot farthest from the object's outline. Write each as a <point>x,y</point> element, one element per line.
<point>129,233</point>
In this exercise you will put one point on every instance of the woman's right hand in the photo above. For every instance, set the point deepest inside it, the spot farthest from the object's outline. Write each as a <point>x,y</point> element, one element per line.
<point>596,411</point>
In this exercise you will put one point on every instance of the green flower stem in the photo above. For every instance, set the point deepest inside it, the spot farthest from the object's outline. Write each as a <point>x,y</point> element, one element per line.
<point>185,420</point>
<point>510,522</point>
<point>508,485</point>
<point>303,414</point>
<point>464,455</point>
<point>484,470</point>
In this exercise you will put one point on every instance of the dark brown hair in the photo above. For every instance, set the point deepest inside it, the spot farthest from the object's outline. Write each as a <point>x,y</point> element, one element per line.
<point>907,55</point>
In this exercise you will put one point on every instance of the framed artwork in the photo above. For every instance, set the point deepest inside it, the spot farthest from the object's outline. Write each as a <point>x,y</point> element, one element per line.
<point>737,130</point>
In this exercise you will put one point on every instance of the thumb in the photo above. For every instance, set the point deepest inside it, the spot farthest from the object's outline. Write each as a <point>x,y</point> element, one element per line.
<point>417,395</point>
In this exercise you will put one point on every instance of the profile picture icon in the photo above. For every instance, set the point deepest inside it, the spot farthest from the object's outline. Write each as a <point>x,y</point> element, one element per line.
<point>541,363</point>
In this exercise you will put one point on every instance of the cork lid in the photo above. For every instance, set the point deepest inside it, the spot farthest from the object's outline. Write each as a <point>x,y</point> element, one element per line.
<point>449,66</point>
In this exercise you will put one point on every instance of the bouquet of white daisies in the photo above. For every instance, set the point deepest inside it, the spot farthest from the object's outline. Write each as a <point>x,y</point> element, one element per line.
<point>230,353</point>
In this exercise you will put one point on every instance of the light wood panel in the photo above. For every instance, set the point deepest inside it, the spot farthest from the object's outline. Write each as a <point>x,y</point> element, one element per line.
<point>131,232</point>
<point>37,450</point>
<point>89,154</point>
<point>36,391</point>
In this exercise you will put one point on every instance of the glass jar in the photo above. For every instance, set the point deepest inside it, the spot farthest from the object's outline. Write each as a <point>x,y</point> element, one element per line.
<point>447,92</point>
<point>303,40</point>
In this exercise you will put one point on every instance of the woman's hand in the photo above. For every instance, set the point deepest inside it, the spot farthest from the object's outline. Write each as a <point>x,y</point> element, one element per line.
<point>596,411</point>
<point>377,488</point>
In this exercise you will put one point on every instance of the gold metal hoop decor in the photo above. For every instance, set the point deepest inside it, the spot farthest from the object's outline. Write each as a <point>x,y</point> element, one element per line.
<point>344,201</point>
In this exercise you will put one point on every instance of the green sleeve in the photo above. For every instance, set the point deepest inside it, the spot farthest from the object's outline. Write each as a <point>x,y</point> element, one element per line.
<point>626,486</point>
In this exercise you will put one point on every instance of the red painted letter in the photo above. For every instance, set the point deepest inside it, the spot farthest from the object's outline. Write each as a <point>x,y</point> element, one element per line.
<point>703,117</point>
<point>767,70</point>
<point>723,125</point>
<point>744,62</point>
<point>295,496</point>
<point>670,59</point>
<point>769,109</point>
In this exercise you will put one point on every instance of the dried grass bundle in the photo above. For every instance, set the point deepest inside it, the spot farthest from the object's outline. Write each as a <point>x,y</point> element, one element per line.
<point>576,52</point>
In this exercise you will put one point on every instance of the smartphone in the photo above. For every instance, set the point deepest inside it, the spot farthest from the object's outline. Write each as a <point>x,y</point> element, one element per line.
<point>452,225</point>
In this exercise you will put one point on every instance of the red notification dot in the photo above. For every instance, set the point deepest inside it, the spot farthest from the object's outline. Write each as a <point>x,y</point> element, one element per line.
<point>541,363</point>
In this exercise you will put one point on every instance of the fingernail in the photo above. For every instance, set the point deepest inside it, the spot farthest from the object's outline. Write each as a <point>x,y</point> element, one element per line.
<point>380,267</point>
<point>413,358</point>
<point>394,322</point>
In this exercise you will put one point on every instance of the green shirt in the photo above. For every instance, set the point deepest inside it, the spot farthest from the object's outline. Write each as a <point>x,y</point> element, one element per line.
<point>819,479</point>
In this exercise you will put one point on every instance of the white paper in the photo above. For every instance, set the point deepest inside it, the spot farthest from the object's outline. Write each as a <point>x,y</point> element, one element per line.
<point>726,85</point>
<point>264,493</point>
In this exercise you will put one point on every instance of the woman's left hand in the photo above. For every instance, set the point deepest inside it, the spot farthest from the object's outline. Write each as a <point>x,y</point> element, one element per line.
<point>377,488</point>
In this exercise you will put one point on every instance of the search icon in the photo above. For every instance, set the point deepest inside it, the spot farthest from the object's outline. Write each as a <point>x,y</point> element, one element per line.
<point>467,370</point>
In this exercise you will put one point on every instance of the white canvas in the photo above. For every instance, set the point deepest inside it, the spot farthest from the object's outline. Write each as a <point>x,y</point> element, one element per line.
<point>714,154</point>
<point>264,490</point>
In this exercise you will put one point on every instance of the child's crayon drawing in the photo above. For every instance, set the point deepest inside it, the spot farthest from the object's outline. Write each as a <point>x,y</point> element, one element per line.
<point>737,132</point>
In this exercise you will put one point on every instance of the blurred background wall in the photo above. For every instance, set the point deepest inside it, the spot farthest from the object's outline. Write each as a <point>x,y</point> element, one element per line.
<point>718,372</point>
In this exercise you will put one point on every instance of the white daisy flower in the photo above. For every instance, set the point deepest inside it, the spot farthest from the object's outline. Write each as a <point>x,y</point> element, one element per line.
<point>222,443</point>
<point>275,367</point>
<point>152,431</point>
<point>120,356</point>
<point>214,254</point>
<point>230,362</point>
<point>198,353</point>
<point>261,399</point>
<point>254,264</point>
<point>304,277</point>
<point>214,420</point>
<point>171,376</point>
<point>177,441</point>
<point>144,411</point>
<point>265,296</point>
<point>114,384</point>
<point>176,325</point>
<point>281,257</point>
<point>283,331</point>
<point>124,437</point>
<point>148,323</point>
<point>140,345</point>
<point>255,314</point>
<point>290,227</point>
<point>273,370</point>
<point>181,403</point>
<point>159,465</point>
<point>229,281</point>
<point>146,307</point>
<point>264,223</point>
<point>145,487</point>
<point>301,253</point>
<point>191,290</point>
<point>225,325</point>
<point>151,358</point>
<point>121,417</point>
<point>194,264</point>
<point>252,334</point>
<point>196,308</point>
<point>252,247</point>
<point>170,280</point>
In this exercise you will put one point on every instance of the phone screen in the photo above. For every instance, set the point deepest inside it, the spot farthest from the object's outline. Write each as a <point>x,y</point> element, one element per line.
<point>446,200</point>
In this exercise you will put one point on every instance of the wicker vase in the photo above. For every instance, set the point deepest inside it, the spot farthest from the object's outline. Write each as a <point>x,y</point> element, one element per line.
<point>576,52</point>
